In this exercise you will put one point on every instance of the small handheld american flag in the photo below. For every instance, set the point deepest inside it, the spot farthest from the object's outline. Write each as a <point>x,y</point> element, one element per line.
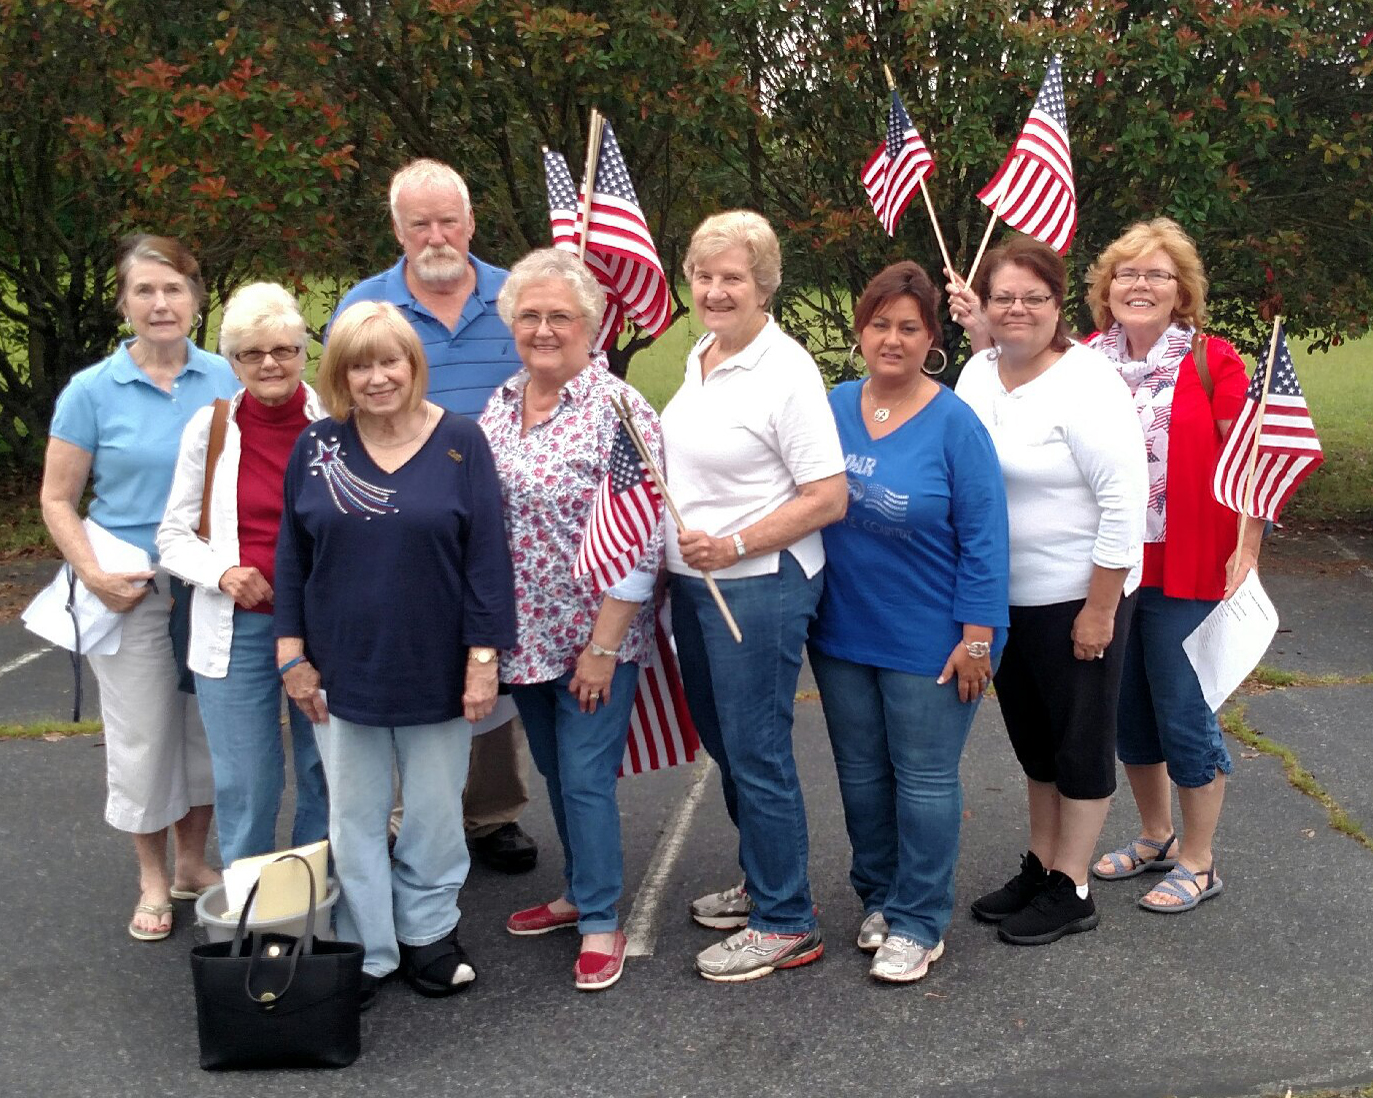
<point>896,168</point>
<point>623,517</point>
<point>564,218</point>
<point>1288,449</point>
<point>661,733</point>
<point>1033,189</point>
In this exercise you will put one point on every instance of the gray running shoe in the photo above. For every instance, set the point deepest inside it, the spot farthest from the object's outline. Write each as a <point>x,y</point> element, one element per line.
<point>751,953</point>
<point>901,960</point>
<point>727,910</point>
<point>873,932</point>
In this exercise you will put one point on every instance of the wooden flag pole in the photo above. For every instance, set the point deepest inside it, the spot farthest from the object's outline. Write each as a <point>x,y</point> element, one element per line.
<point>929,203</point>
<point>621,407</point>
<point>1258,431</point>
<point>593,152</point>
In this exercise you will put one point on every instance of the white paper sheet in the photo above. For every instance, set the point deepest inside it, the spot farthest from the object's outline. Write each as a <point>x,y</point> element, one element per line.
<point>47,614</point>
<point>1230,642</point>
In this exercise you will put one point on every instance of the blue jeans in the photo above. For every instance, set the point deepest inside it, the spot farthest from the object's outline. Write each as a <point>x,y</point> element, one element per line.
<point>897,741</point>
<point>741,698</point>
<point>413,897</point>
<point>1163,715</point>
<point>242,717</point>
<point>579,756</point>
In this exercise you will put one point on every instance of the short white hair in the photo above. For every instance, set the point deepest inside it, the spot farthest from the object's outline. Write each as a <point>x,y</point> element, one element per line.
<point>546,264</point>
<point>422,172</point>
<point>259,307</point>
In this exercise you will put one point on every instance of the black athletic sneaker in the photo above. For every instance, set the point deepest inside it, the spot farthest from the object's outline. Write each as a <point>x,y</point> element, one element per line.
<point>1015,894</point>
<point>1054,912</point>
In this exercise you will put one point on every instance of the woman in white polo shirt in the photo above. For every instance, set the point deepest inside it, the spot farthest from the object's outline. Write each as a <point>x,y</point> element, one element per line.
<point>1071,452</point>
<point>756,470</point>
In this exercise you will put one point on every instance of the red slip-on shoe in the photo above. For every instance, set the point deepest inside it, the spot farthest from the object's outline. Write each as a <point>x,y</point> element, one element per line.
<point>598,971</point>
<point>539,920</point>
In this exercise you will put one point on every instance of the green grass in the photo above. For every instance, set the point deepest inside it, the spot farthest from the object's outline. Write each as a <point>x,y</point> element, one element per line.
<point>40,730</point>
<point>1301,779</point>
<point>1339,391</point>
<point>1263,675</point>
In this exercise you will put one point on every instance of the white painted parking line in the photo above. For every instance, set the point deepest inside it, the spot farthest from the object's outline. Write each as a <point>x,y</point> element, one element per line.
<point>27,657</point>
<point>641,931</point>
<point>1349,554</point>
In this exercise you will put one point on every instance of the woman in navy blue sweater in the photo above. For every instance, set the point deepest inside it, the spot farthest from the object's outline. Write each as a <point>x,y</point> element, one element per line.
<point>394,591</point>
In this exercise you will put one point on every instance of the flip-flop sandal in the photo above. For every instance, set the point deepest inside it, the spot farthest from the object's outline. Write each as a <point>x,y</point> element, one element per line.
<point>1126,862</point>
<point>160,911</point>
<point>189,893</point>
<point>1171,885</point>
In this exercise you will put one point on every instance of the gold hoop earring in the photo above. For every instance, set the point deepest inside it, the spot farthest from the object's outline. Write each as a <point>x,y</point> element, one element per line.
<point>944,364</point>
<point>853,365</point>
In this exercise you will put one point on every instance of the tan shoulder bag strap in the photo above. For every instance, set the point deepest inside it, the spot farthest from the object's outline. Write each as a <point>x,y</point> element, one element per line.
<point>1199,360</point>
<point>219,422</point>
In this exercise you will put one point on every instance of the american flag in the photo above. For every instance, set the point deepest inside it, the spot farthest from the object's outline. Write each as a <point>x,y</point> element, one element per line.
<point>1289,450</point>
<point>623,517</point>
<point>564,218</point>
<point>896,168</point>
<point>1033,190</point>
<point>660,730</point>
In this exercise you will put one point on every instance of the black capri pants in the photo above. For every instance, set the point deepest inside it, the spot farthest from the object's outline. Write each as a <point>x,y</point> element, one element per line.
<point>1060,711</point>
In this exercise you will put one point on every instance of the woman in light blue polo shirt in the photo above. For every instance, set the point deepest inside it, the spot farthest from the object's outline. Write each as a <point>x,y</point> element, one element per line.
<point>118,423</point>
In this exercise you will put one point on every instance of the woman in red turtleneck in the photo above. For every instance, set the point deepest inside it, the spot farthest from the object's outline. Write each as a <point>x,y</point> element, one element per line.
<point>232,651</point>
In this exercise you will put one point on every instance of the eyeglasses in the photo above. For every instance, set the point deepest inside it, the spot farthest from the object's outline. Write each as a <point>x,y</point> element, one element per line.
<point>1030,301</point>
<point>1127,276</point>
<point>531,321</point>
<point>281,354</point>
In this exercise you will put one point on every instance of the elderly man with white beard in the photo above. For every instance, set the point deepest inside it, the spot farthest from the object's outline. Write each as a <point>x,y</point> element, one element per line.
<point>449,297</point>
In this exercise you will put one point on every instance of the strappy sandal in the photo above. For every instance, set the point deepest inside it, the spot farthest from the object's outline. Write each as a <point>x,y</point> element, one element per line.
<point>160,912</point>
<point>1172,885</point>
<point>1127,862</point>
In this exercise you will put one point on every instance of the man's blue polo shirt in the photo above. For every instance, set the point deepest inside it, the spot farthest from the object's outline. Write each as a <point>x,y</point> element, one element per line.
<point>466,364</point>
<point>132,430</point>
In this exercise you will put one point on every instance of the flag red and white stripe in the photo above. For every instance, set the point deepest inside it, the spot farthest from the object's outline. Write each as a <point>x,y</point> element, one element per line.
<point>1033,190</point>
<point>897,167</point>
<point>1289,450</point>
<point>564,218</point>
<point>623,517</point>
<point>661,733</point>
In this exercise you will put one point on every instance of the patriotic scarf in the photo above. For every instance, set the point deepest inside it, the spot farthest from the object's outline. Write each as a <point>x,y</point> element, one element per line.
<point>1152,381</point>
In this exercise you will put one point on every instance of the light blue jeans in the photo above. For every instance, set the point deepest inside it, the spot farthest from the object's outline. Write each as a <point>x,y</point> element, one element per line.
<point>242,717</point>
<point>579,756</point>
<point>741,698</point>
<point>413,897</point>
<point>897,741</point>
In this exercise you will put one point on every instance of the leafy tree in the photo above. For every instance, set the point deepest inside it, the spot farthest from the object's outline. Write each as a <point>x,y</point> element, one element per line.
<point>130,116</point>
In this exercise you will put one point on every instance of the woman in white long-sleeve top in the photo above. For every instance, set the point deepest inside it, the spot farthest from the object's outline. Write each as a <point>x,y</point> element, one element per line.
<point>231,566</point>
<point>1070,448</point>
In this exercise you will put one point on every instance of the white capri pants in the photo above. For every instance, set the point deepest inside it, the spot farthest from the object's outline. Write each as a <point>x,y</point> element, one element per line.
<point>157,761</point>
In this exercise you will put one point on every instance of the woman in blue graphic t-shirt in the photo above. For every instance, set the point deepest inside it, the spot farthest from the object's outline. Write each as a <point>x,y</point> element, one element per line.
<point>911,620</point>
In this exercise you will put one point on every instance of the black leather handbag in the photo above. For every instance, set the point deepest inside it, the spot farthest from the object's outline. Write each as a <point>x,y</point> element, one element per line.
<point>271,1000</point>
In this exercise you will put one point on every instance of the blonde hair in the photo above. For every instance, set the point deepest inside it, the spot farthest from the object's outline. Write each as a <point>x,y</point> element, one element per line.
<point>1141,238</point>
<point>358,335</point>
<point>426,172</point>
<point>744,229</point>
<point>546,264</point>
<point>259,307</point>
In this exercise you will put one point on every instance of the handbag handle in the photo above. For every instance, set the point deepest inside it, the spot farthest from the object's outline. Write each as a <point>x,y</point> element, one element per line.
<point>303,944</point>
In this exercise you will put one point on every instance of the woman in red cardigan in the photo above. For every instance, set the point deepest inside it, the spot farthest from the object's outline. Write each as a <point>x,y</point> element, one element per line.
<point>1147,293</point>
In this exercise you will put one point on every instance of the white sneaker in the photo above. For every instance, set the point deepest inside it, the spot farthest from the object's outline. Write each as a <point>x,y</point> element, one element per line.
<point>873,932</point>
<point>900,960</point>
<point>727,910</point>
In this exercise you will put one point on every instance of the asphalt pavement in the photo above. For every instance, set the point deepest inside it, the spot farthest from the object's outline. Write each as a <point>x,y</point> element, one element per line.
<point>1268,986</point>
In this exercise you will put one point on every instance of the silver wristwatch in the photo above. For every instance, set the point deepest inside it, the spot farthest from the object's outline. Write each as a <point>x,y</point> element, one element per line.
<point>978,649</point>
<point>738,544</point>
<point>601,650</point>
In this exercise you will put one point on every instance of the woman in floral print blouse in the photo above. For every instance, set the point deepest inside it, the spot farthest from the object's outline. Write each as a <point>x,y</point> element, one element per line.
<point>574,672</point>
